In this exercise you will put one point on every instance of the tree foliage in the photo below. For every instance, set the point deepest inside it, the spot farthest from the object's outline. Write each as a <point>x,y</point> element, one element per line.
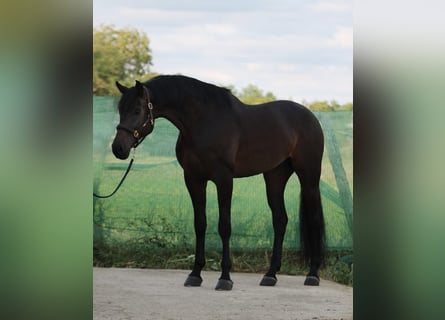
<point>253,95</point>
<point>332,105</point>
<point>118,54</point>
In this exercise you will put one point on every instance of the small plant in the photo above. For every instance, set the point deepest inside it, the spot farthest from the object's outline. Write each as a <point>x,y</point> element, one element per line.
<point>339,268</point>
<point>147,253</point>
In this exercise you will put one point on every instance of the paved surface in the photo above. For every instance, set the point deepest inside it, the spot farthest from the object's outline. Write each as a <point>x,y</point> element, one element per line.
<point>160,294</point>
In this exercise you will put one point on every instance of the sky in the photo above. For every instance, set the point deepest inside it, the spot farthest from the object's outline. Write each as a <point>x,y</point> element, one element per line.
<point>298,50</point>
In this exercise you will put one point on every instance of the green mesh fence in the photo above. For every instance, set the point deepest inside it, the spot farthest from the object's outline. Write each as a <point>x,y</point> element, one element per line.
<point>153,203</point>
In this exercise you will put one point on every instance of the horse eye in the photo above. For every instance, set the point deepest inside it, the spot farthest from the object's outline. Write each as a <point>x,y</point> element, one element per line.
<point>137,111</point>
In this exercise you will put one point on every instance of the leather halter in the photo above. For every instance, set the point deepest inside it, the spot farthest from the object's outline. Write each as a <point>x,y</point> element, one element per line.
<point>138,134</point>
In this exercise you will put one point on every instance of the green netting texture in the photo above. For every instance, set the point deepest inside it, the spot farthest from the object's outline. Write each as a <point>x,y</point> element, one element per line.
<point>153,202</point>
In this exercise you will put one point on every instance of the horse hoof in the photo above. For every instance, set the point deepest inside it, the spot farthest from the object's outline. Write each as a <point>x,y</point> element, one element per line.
<point>312,281</point>
<point>193,281</point>
<point>224,284</point>
<point>268,281</point>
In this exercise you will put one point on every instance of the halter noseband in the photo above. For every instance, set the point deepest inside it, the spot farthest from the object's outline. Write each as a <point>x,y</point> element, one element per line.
<point>137,133</point>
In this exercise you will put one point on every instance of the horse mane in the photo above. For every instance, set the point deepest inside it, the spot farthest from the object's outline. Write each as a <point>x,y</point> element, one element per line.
<point>180,90</point>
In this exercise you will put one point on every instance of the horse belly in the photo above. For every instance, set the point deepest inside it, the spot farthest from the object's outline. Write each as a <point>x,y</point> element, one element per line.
<point>253,163</point>
<point>268,136</point>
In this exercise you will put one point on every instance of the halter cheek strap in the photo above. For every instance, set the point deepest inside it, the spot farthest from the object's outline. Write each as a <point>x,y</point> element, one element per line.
<point>138,133</point>
<point>150,121</point>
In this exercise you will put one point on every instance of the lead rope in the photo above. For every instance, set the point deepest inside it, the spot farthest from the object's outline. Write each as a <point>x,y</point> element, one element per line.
<point>122,180</point>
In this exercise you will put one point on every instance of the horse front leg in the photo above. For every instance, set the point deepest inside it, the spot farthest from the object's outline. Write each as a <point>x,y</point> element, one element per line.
<point>224,188</point>
<point>197,191</point>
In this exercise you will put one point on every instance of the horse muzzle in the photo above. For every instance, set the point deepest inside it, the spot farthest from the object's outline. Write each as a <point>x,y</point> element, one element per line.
<point>122,145</point>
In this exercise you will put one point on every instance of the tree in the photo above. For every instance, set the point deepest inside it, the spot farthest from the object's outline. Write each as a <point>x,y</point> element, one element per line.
<point>320,106</point>
<point>118,55</point>
<point>333,105</point>
<point>254,95</point>
<point>347,106</point>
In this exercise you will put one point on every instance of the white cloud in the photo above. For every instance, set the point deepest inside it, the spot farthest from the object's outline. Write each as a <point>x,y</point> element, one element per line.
<point>153,16</point>
<point>298,82</point>
<point>343,37</point>
<point>220,29</point>
<point>254,67</point>
<point>284,50</point>
<point>332,7</point>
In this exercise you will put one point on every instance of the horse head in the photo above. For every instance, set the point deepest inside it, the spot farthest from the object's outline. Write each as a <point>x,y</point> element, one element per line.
<point>136,119</point>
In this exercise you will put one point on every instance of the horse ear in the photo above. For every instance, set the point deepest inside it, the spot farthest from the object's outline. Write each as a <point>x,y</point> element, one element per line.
<point>140,88</point>
<point>121,88</point>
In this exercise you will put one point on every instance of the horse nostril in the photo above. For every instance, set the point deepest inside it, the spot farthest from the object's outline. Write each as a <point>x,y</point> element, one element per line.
<point>117,149</point>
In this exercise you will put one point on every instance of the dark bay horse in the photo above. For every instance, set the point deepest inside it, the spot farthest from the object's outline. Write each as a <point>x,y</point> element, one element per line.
<point>220,138</point>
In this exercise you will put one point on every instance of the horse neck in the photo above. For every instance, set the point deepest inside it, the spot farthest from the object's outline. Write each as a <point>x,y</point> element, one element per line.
<point>185,110</point>
<point>181,112</point>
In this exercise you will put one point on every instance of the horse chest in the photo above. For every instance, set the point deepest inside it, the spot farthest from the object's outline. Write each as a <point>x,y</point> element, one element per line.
<point>203,161</point>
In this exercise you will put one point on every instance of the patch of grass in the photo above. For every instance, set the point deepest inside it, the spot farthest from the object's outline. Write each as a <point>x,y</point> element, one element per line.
<point>146,253</point>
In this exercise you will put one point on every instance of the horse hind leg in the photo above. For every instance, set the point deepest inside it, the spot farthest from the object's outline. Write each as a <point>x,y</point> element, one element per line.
<point>312,228</point>
<point>276,180</point>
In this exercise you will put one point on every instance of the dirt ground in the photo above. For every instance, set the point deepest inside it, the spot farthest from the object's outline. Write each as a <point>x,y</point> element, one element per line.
<point>160,294</point>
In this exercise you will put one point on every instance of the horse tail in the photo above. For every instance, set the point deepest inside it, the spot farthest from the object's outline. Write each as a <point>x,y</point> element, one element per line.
<point>307,165</point>
<point>312,227</point>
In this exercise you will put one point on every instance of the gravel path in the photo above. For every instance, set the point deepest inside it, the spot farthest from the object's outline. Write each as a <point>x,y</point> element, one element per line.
<point>160,294</point>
